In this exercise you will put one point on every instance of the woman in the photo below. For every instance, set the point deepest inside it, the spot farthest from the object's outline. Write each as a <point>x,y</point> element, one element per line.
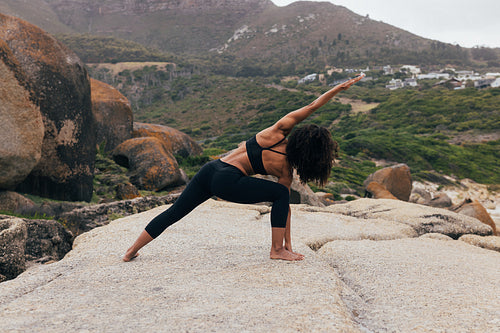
<point>310,150</point>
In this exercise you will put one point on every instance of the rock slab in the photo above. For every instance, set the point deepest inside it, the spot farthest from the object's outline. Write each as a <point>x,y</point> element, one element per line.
<point>211,272</point>
<point>419,285</point>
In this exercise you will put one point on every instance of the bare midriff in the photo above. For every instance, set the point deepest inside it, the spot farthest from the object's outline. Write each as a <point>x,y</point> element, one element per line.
<point>239,159</point>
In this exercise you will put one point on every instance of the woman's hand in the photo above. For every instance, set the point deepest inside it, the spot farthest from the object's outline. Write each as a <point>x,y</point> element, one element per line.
<point>346,85</point>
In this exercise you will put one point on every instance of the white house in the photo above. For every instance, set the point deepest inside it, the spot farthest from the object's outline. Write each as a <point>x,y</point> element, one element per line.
<point>395,84</point>
<point>443,76</point>
<point>308,78</point>
<point>388,70</point>
<point>410,82</point>
<point>412,69</point>
<point>465,75</point>
<point>496,83</point>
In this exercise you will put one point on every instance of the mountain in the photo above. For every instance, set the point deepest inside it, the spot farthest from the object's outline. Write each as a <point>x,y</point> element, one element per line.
<point>315,33</point>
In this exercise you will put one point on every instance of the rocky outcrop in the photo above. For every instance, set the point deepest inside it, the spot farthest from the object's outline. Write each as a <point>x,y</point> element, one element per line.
<point>440,200</point>
<point>15,202</point>
<point>24,240</point>
<point>21,125</point>
<point>396,179</point>
<point>113,115</point>
<point>473,208</point>
<point>486,242</point>
<point>212,272</point>
<point>126,191</point>
<point>87,218</point>
<point>151,166</point>
<point>417,284</point>
<point>379,191</point>
<point>57,83</point>
<point>422,219</point>
<point>420,196</point>
<point>173,140</point>
<point>12,245</point>
<point>46,240</point>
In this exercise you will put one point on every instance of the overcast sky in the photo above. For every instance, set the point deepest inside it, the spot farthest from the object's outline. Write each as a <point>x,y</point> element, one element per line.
<point>465,22</point>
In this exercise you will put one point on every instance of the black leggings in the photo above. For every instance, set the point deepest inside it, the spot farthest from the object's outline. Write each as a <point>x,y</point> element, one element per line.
<point>228,183</point>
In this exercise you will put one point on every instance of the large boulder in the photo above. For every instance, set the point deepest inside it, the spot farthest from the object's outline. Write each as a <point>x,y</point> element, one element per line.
<point>58,84</point>
<point>440,200</point>
<point>396,179</point>
<point>113,115</point>
<point>150,165</point>
<point>420,196</point>
<point>12,244</point>
<point>473,208</point>
<point>21,125</point>
<point>379,191</point>
<point>173,140</point>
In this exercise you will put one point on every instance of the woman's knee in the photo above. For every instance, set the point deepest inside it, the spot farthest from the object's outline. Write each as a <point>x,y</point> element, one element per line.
<point>283,193</point>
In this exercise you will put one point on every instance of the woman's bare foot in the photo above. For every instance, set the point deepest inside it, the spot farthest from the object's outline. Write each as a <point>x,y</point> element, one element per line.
<point>130,255</point>
<point>298,254</point>
<point>289,248</point>
<point>285,255</point>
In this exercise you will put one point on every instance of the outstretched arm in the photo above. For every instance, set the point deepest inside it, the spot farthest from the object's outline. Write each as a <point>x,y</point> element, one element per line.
<point>286,124</point>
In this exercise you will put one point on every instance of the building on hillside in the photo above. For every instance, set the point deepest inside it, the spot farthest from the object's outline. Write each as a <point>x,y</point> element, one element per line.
<point>496,83</point>
<point>410,69</point>
<point>410,82</point>
<point>433,75</point>
<point>453,83</point>
<point>388,70</point>
<point>483,83</point>
<point>308,78</point>
<point>465,75</point>
<point>398,83</point>
<point>395,84</point>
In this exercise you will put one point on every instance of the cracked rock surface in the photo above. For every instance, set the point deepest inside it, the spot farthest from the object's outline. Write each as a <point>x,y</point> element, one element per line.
<point>212,272</point>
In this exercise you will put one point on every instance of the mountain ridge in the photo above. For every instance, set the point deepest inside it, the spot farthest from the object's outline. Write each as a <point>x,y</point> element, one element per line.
<point>318,33</point>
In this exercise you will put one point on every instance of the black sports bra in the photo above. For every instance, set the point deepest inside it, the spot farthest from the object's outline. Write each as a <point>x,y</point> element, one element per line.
<point>254,152</point>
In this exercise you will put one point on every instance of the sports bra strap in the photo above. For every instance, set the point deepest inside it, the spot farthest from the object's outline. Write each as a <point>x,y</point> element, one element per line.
<point>276,144</point>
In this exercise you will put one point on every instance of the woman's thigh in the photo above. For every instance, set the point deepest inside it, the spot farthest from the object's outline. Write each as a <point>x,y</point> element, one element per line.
<point>245,189</point>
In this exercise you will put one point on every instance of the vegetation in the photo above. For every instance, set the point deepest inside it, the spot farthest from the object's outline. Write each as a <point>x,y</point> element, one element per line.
<point>100,49</point>
<point>413,126</point>
<point>35,216</point>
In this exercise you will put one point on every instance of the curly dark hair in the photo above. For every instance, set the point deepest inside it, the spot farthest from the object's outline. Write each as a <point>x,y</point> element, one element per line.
<point>311,151</point>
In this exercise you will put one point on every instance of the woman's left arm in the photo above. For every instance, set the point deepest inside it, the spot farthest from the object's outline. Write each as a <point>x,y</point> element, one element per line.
<point>286,123</point>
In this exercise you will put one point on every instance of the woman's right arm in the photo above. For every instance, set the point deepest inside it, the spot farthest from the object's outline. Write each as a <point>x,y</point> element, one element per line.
<point>288,122</point>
